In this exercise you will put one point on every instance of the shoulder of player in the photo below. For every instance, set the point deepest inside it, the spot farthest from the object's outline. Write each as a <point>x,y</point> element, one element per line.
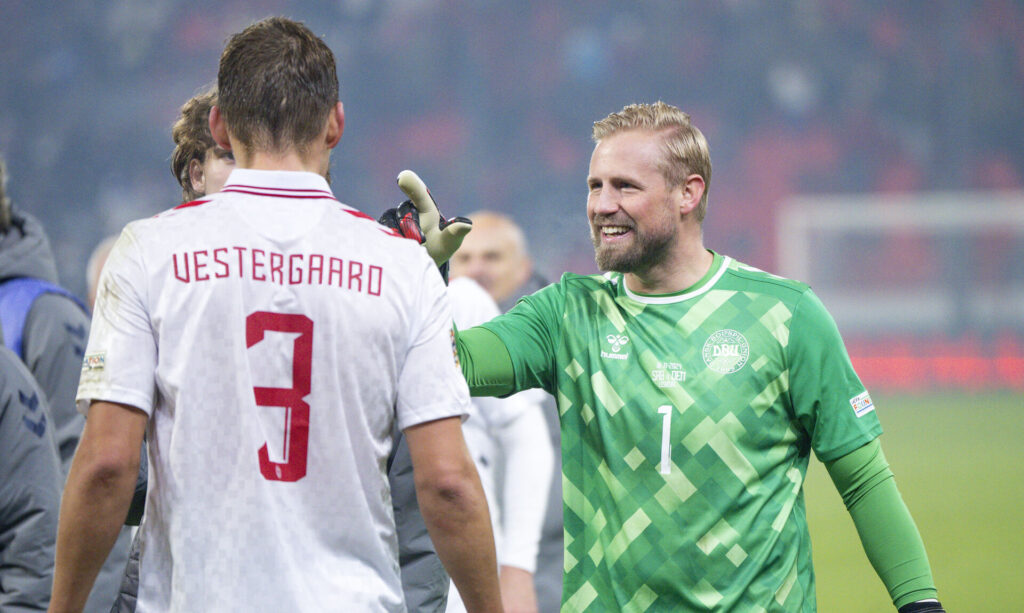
<point>572,283</point>
<point>354,216</point>
<point>184,212</point>
<point>577,281</point>
<point>755,279</point>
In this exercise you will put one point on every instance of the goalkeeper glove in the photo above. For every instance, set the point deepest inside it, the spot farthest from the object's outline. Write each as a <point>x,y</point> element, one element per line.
<point>418,218</point>
<point>922,606</point>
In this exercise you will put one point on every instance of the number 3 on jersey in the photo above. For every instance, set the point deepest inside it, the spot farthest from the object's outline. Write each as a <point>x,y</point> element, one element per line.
<point>296,411</point>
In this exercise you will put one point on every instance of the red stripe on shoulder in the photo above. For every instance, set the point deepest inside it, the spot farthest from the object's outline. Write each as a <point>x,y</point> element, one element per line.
<point>385,229</point>
<point>186,205</point>
<point>359,214</point>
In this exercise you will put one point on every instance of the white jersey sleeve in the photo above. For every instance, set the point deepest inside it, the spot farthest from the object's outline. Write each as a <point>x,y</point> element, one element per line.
<point>420,389</point>
<point>121,356</point>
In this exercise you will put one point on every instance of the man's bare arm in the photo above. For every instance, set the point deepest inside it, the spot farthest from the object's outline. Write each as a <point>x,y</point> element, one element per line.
<point>96,499</point>
<point>455,510</point>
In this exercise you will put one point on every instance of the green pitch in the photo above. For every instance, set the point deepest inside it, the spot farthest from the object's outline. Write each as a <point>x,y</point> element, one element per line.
<point>959,463</point>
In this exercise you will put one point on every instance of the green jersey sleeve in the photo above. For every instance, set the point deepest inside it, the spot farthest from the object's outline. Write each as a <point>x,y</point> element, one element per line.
<point>828,398</point>
<point>530,332</point>
<point>485,362</point>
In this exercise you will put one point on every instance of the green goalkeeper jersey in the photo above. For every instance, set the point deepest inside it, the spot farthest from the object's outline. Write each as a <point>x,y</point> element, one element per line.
<point>687,423</point>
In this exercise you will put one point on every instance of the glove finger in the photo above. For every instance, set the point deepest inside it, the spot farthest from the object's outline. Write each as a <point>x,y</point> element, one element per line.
<point>414,187</point>
<point>460,220</point>
<point>452,235</point>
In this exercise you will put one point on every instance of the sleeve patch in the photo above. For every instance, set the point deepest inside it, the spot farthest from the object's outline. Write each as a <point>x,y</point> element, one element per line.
<point>862,404</point>
<point>94,361</point>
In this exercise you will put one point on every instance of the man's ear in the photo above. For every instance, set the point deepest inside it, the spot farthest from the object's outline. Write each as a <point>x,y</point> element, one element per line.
<point>196,177</point>
<point>690,193</point>
<point>335,125</point>
<point>219,129</point>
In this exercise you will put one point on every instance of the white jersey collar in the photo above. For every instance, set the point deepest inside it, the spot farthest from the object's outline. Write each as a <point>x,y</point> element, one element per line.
<point>286,180</point>
<point>718,267</point>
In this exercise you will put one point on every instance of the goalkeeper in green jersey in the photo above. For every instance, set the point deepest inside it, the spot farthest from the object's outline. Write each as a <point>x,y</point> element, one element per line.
<point>691,391</point>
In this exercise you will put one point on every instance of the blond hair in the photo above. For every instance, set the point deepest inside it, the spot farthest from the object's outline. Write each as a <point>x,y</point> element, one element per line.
<point>684,146</point>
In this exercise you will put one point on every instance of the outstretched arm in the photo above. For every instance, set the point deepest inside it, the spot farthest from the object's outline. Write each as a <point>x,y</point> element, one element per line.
<point>485,359</point>
<point>887,531</point>
<point>485,362</point>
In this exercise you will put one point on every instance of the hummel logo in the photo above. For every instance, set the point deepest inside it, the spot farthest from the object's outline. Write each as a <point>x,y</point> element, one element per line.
<point>617,341</point>
<point>32,403</point>
<point>76,331</point>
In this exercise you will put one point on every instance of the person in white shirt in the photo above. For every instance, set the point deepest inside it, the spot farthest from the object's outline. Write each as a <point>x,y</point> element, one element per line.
<point>265,339</point>
<point>496,256</point>
<point>508,439</point>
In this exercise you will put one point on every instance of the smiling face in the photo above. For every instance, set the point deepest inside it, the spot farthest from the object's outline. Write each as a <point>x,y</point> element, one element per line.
<point>633,211</point>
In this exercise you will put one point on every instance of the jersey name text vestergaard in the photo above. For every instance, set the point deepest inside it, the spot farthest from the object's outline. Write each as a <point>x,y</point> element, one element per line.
<point>277,268</point>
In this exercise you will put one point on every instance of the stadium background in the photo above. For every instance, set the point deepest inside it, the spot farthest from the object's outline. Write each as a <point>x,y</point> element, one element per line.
<point>492,102</point>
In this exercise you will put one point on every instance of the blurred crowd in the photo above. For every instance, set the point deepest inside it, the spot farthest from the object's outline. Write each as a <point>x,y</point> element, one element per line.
<point>492,102</point>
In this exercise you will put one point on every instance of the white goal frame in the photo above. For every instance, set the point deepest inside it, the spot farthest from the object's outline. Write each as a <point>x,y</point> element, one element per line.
<point>922,308</point>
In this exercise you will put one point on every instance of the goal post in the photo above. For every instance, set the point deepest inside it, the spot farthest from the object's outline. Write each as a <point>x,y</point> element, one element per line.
<point>926,288</point>
<point>828,241</point>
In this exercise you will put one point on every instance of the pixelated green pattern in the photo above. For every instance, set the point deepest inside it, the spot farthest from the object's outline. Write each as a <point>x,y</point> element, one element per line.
<point>639,540</point>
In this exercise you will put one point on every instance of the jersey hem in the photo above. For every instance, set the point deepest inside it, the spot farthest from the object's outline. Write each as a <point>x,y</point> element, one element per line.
<point>860,441</point>
<point>118,396</point>
<point>426,414</point>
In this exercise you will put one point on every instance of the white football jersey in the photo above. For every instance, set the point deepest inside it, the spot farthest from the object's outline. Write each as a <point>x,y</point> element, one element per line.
<point>273,335</point>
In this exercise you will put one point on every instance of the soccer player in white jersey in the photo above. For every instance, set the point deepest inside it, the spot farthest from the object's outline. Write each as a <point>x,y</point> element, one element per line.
<point>266,338</point>
<point>509,441</point>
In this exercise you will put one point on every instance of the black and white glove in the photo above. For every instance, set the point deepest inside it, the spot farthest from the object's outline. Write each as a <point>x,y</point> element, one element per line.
<point>923,606</point>
<point>419,218</point>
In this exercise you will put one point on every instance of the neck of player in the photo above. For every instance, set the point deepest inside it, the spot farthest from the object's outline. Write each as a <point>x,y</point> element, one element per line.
<point>680,269</point>
<point>284,160</point>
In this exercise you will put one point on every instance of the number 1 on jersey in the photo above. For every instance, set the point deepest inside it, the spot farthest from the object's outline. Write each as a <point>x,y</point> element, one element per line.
<point>296,411</point>
<point>666,430</point>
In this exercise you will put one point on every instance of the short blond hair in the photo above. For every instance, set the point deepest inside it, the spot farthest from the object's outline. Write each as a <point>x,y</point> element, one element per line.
<point>685,148</point>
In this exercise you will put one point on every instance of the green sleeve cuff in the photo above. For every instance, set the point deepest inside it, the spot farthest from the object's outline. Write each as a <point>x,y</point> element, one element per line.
<point>887,531</point>
<point>486,363</point>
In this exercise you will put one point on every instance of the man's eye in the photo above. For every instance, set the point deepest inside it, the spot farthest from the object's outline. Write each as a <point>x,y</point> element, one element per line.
<point>229,155</point>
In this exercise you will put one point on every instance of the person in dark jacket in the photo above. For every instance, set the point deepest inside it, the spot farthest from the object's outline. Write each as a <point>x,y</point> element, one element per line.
<point>47,327</point>
<point>30,484</point>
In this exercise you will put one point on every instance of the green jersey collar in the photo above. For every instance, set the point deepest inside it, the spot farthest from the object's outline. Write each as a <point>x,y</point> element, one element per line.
<point>718,267</point>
